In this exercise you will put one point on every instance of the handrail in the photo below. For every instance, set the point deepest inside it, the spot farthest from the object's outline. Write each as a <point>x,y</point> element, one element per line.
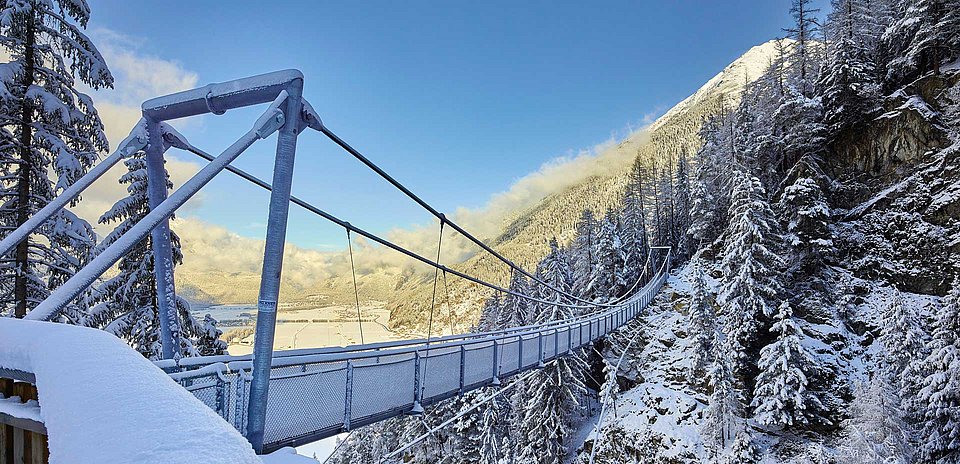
<point>405,347</point>
<point>329,354</point>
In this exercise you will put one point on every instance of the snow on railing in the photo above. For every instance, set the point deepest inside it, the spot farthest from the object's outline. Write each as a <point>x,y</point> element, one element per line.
<point>101,401</point>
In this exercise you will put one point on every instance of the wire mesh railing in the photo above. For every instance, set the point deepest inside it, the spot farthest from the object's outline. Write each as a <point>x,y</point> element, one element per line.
<point>319,393</point>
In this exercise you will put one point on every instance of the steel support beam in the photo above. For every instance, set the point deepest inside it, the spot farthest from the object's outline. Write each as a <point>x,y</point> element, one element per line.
<point>160,242</point>
<point>273,263</point>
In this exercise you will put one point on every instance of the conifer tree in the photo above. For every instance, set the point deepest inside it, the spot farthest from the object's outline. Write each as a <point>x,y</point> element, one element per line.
<point>634,226</point>
<point>516,311</point>
<point>875,431</point>
<point>607,280</point>
<point>721,420</point>
<point>848,82</point>
<point>704,214</point>
<point>903,343</point>
<point>701,324</point>
<point>554,390</point>
<point>803,57</point>
<point>926,33</point>
<point>751,269</point>
<point>49,127</point>
<point>126,304</point>
<point>682,203</point>
<point>492,435</point>
<point>783,397</point>
<point>555,270</point>
<point>807,215</point>
<point>941,387</point>
<point>582,252</point>
<point>743,451</point>
<point>490,314</point>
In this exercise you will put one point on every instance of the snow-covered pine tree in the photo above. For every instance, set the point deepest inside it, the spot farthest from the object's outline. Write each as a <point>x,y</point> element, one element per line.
<point>903,340</point>
<point>783,397</point>
<point>49,127</point>
<point>554,391</point>
<point>126,304</point>
<point>701,323</point>
<point>555,270</point>
<point>427,451</point>
<point>925,35</point>
<point>492,431</point>
<point>799,121</point>
<point>665,208</point>
<point>545,417</point>
<point>607,281</point>
<point>490,314</point>
<point>634,226</point>
<point>582,255</point>
<point>681,212</point>
<point>875,432</point>
<point>804,208</point>
<point>743,451</point>
<point>751,274</point>
<point>848,82</point>
<point>516,311</point>
<point>705,211</point>
<point>941,387</point>
<point>721,421</point>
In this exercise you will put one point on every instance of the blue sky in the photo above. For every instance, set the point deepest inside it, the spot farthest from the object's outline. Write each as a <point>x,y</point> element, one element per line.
<point>456,99</point>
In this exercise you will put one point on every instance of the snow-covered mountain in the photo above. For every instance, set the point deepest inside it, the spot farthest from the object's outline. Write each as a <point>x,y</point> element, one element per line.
<point>525,232</point>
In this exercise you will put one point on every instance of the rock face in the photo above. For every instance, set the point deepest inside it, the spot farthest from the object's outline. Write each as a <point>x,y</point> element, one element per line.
<point>898,189</point>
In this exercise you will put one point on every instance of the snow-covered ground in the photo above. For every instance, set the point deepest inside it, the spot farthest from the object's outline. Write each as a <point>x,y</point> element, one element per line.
<point>320,327</point>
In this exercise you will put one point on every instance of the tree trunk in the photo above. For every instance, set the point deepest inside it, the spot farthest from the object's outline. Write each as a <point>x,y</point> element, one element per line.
<point>24,174</point>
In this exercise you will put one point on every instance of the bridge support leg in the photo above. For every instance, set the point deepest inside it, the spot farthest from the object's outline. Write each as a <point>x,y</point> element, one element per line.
<point>272,264</point>
<point>160,241</point>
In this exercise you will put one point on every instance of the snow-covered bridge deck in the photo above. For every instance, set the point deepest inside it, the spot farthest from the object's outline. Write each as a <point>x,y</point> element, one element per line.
<point>318,393</point>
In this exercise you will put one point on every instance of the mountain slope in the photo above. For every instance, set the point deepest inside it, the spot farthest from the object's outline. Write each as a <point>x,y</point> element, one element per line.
<point>525,233</point>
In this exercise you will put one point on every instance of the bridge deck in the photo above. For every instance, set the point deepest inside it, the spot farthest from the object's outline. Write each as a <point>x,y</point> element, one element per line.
<point>319,393</point>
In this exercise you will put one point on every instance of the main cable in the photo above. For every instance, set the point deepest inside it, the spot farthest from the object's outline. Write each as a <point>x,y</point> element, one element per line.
<point>356,154</point>
<point>346,225</point>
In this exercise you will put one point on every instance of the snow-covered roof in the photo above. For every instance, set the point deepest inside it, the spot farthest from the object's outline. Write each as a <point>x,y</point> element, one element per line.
<point>103,402</point>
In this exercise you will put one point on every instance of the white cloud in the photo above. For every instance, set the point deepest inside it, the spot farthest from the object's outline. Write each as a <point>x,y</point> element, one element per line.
<point>137,77</point>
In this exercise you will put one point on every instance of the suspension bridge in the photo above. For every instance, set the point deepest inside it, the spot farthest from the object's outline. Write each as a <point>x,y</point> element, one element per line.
<point>293,397</point>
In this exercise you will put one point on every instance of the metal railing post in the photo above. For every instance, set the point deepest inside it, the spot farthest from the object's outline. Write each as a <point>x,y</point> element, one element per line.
<point>556,343</point>
<point>463,360</point>
<point>348,399</point>
<point>160,242</point>
<point>417,390</point>
<point>540,348</point>
<point>496,363</point>
<point>273,263</point>
<point>520,353</point>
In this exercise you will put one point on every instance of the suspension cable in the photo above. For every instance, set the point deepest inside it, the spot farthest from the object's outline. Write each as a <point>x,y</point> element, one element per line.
<point>433,306</point>
<point>356,289</point>
<point>446,290</point>
<point>356,154</point>
<point>436,275</point>
<point>346,225</point>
